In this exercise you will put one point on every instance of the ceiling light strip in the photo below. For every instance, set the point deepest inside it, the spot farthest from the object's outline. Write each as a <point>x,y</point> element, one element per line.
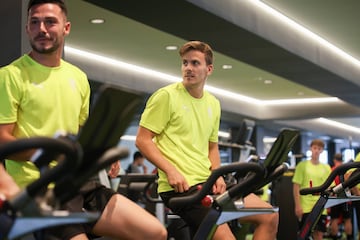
<point>133,137</point>
<point>121,64</point>
<point>170,78</point>
<point>338,125</point>
<point>305,31</point>
<point>301,101</point>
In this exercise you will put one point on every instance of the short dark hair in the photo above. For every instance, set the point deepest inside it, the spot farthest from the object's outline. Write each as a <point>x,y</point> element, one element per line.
<point>137,155</point>
<point>198,46</point>
<point>60,3</point>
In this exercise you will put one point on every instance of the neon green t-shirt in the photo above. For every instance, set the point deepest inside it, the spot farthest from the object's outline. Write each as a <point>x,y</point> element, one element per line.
<point>305,172</point>
<point>185,126</point>
<point>41,101</point>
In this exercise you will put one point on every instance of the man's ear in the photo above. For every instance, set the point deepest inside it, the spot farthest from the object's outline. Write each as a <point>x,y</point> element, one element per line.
<point>210,69</point>
<point>67,28</point>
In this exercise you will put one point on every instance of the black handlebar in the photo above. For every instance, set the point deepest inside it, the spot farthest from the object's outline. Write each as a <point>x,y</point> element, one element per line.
<point>342,169</point>
<point>271,176</point>
<point>68,185</point>
<point>242,168</point>
<point>353,180</point>
<point>71,150</point>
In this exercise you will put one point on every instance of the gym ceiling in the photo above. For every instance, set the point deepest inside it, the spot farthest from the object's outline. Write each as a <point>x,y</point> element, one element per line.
<point>260,58</point>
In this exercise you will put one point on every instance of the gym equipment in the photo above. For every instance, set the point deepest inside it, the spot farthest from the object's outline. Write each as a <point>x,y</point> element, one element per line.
<point>92,150</point>
<point>135,185</point>
<point>23,201</point>
<point>327,198</point>
<point>229,205</point>
<point>282,196</point>
<point>240,145</point>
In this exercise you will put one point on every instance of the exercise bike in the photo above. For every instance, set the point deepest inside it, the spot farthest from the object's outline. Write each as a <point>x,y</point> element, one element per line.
<point>82,157</point>
<point>330,195</point>
<point>229,205</point>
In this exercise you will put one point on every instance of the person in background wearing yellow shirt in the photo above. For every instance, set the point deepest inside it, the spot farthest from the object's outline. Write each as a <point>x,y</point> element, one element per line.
<point>307,174</point>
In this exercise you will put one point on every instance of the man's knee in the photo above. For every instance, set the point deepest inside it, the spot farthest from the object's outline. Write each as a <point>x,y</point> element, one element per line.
<point>160,234</point>
<point>271,220</point>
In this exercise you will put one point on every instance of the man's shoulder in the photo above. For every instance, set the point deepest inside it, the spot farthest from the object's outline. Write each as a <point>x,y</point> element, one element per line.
<point>170,92</point>
<point>327,166</point>
<point>211,96</point>
<point>72,67</point>
<point>174,87</point>
<point>302,163</point>
<point>15,65</point>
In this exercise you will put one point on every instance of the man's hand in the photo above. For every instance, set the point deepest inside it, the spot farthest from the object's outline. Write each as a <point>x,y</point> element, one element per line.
<point>219,186</point>
<point>177,181</point>
<point>8,187</point>
<point>114,170</point>
<point>298,212</point>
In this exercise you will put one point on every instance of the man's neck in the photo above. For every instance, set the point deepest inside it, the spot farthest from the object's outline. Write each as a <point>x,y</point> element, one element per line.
<point>49,60</point>
<point>315,161</point>
<point>195,91</point>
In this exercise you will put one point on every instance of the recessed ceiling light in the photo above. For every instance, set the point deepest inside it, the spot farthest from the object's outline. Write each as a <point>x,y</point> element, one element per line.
<point>226,66</point>
<point>97,20</point>
<point>267,81</point>
<point>171,47</point>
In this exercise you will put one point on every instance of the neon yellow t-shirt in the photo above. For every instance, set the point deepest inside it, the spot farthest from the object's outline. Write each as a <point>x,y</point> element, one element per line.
<point>305,172</point>
<point>185,126</point>
<point>357,158</point>
<point>41,101</point>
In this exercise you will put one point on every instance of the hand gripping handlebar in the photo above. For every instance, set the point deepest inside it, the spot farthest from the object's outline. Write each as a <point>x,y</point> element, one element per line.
<point>71,150</point>
<point>257,172</point>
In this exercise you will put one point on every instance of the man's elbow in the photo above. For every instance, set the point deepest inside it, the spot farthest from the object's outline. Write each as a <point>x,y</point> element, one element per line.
<point>139,141</point>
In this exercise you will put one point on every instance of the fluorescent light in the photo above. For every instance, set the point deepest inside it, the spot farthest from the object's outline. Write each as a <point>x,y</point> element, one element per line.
<point>226,66</point>
<point>170,78</point>
<point>269,139</point>
<point>133,137</point>
<point>267,81</point>
<point>224,134</point>
<point>171,48</point>
<point>301,101</point>
<point>306,32</point>
<point>128,138</point>
<point>339,125</point>
<point>121,64</point>
<point>233,95</point>
<point>97,20</point>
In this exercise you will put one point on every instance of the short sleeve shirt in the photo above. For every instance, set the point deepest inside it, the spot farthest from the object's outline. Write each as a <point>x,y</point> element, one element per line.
<point>184,126</point>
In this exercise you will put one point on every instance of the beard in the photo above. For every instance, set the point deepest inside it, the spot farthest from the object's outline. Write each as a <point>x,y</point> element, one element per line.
<point>45,49</point>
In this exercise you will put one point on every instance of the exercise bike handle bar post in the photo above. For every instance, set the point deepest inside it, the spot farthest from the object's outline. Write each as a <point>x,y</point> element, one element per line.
<point>242,168</point>
<point>352,181</point>
<point>340,170</point>
<point>67,187</point>
<point>71,150</point>
<point>271,176</point>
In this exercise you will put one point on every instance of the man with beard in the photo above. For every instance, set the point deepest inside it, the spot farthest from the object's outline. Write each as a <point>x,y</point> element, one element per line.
<point>42,94</point>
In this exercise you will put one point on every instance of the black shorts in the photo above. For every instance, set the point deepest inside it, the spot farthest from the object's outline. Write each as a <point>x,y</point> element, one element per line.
<point>342,210</point>
<point>92,197</point>
<point>193,215</point>
<point>320,225</point>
